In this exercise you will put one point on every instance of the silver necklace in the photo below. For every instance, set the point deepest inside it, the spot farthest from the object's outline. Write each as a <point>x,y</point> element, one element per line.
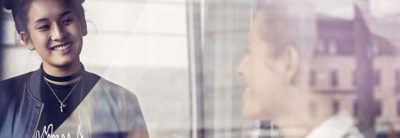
<point>62,105</point>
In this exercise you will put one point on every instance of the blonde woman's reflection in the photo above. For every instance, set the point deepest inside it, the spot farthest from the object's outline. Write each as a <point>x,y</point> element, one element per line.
<point>280,44</point>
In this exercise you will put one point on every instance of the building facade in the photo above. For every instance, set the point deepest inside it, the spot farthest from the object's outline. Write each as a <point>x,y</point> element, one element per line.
<point>333,73</point>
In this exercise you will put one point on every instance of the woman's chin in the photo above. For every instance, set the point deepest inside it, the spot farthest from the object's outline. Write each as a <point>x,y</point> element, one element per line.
<point>251,112</point>
<point>65,63</point>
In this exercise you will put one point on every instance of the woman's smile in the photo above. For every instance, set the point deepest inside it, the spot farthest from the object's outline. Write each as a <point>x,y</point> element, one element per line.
<point>63,48</point>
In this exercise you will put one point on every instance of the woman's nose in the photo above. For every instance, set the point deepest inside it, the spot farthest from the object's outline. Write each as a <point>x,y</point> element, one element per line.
<point>58,33</point>
<point>239,68</point>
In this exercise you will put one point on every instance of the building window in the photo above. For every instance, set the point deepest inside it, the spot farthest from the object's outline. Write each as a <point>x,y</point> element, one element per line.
<point>313,78</point>
<point>397,81</point>
<point>398,108</point>
<point>335,106</point>
<point>378,108</point>
<point>354,74</point>
<point>397,77</point>
<point>377,77</point>
<point>355,108</point>
<point>334,78</point>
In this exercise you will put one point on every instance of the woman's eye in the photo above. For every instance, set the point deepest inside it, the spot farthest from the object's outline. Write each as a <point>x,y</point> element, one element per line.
<point>43,27</point>
<point>67,21</point>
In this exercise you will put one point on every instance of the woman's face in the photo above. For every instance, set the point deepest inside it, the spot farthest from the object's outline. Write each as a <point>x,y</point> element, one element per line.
<point>55,33</point>
<point>264,96</point>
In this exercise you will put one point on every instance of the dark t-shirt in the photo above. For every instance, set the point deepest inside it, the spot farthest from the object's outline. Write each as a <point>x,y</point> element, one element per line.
<point>51,114</point>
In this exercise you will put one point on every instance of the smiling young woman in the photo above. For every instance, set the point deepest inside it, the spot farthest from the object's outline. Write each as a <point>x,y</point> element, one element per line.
<point>61,98</point>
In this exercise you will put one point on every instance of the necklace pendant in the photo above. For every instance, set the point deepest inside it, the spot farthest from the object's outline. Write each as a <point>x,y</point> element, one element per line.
<point>62,105</point>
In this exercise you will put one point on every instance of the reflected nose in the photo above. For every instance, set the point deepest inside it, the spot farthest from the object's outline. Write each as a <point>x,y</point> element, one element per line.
<point>239,67</point>
<point>58,33</point>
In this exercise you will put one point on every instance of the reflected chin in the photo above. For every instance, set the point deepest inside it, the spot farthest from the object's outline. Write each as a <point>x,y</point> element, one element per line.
<point>250,109</point>
<point>251,113</point>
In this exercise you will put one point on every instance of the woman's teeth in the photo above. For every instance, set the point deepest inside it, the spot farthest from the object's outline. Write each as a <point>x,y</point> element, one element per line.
<point>62,47</point>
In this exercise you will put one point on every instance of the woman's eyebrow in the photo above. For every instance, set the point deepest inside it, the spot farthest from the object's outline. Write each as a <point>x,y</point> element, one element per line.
<point>45,19</point>
<point>41,20</point>
<point>65,13</point>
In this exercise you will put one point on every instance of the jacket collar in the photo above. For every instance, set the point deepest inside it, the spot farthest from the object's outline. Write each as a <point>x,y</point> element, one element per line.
<point>34,84</point>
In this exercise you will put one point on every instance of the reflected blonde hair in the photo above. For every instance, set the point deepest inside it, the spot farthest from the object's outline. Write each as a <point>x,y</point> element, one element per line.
<point>289,23</point>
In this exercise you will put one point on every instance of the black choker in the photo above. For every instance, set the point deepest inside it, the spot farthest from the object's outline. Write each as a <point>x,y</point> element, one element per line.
<point>61,79</point>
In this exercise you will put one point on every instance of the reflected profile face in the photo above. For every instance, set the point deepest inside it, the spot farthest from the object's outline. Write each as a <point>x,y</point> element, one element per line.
<point>263,76</point>
<point>55,32</point>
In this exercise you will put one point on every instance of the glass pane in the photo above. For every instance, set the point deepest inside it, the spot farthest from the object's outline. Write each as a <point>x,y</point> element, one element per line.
<point>308,64</point>
<point>234,68</point>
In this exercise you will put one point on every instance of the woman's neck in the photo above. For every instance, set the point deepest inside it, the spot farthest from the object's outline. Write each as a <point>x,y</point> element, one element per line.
<point>296,121</point>
<point>62,71</point>
<point>65,71</point>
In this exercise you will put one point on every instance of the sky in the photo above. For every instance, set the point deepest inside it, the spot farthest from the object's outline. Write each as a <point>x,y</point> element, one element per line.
<point>344,8</point>
<point>335,8</point>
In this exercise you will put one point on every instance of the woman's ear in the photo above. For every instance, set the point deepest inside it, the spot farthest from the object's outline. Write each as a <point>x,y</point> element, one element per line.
<point>291,60</point>
<point>26,40</point>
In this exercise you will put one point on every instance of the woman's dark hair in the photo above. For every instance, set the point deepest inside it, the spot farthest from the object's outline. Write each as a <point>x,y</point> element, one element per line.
<point>19,9</point>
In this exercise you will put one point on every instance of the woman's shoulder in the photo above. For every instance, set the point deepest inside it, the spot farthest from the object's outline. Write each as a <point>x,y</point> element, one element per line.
<point>108,88</point>
<point>15,82</point>
<point>11,91</point>
<point>112,102</point>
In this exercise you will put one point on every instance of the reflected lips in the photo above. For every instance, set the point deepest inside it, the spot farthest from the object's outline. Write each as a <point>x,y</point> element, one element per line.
<point>247,90</point>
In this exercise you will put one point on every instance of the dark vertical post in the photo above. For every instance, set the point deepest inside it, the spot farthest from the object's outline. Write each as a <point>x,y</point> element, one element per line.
<point>195,44</point>
<point>3,99</point>
<point>1,37</point>
<point>364,75</point>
